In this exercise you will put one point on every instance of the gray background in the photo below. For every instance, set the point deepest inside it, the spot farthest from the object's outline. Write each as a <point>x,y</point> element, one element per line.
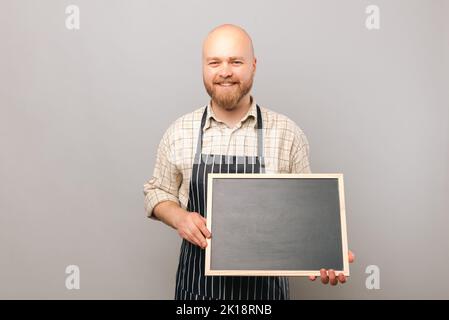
<point>82,113</point>
<point>288,224</point>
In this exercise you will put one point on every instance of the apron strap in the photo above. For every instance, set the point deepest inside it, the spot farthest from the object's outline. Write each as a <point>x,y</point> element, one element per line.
<point>199,146</point>
<point>259,133</point>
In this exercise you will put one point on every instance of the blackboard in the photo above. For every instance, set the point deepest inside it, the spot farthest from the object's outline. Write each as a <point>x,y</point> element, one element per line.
<point>276,224</point>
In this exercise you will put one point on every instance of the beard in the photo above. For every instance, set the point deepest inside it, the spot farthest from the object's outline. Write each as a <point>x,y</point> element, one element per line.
<point>228,97</point>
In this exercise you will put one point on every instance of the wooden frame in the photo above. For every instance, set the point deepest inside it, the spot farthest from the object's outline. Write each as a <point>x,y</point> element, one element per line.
<point>339,176</point>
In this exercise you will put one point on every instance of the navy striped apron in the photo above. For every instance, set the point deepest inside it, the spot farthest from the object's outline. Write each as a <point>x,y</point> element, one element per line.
<point>191,284</point>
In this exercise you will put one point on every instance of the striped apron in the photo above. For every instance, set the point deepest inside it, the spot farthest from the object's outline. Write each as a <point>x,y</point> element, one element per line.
<point>191,284</point>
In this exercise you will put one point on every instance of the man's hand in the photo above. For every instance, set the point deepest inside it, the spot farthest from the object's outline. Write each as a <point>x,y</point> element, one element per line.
<point>192,227</point>
<point>330,276</point>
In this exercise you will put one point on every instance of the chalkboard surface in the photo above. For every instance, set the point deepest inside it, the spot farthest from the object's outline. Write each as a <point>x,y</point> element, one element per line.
<point>276,224</point>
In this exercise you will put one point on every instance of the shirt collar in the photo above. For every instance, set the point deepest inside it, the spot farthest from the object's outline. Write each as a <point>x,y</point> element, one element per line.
<point>251,115</point>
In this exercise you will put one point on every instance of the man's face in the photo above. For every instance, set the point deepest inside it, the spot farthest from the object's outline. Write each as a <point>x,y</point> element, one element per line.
<point>228,68</point>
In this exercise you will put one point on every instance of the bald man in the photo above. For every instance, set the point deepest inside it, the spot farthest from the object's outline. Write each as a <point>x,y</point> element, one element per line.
<point>232,134</point>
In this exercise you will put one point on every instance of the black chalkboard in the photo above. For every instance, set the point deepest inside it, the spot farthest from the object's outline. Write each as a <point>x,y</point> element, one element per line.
<point>276,224</point>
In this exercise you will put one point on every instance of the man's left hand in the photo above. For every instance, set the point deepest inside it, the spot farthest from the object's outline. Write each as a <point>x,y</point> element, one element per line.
<point>329,276</point>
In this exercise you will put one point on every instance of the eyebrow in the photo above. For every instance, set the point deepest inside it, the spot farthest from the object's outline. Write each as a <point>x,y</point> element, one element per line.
<point>230,58</point>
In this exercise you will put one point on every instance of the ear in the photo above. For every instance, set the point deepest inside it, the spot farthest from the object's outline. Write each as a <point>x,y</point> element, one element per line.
<point>255,64</point>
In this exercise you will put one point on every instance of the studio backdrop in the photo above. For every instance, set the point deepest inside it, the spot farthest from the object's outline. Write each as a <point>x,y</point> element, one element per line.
<point>88,87</point>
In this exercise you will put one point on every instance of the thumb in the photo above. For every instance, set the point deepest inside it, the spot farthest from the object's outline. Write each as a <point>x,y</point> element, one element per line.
<point>351,256</point>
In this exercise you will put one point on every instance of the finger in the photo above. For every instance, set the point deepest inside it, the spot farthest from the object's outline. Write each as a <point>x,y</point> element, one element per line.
<point>195,236</point>
<point>312,278</point>
<point>341,278</point>
<point>332,278</point>
<point>201,224</point>
<point>197,215</point>
<point>205,231</point>
<point>351,256</point>
<point>191,237</point>
<point>324,277</point>
<point>200,238</point>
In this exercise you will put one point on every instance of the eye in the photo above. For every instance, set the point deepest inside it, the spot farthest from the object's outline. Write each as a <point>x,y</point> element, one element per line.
<point>213,63</point>
<point>237,62</point>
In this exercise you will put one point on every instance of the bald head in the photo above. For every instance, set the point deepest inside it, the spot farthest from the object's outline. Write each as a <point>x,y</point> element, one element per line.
<point>229,66</point>
<point>226,40</point>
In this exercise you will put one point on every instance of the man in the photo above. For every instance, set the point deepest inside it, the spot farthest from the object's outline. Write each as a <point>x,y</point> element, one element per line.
<point>231,134</point>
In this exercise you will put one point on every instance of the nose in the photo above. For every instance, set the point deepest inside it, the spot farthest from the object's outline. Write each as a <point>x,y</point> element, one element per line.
<point>225,71</point>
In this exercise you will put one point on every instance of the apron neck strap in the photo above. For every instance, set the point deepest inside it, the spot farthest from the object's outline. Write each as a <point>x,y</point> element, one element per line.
<point>259,133</point>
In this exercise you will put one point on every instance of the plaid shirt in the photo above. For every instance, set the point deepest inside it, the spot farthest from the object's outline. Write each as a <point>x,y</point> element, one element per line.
<point>286,150</point>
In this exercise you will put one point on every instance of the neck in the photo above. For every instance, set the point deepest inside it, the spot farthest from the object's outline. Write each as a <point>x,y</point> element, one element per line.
<point>233,116</point>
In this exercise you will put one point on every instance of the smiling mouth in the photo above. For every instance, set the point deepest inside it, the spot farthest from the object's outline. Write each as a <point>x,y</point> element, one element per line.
<point>226,84</point>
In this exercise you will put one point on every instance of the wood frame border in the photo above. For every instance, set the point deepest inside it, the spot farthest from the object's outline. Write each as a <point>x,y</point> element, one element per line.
<point>339,176</point>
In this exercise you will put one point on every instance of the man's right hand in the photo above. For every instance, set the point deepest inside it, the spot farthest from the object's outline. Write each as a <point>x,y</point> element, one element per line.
<point>192,227</point>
